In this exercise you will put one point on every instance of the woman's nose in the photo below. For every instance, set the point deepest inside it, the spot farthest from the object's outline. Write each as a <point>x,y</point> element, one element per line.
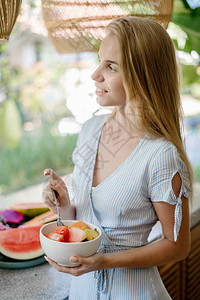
<point>97,75</point>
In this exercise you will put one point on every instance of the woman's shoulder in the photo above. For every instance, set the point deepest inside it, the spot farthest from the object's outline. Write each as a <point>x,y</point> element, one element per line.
<point>160,147</point>
<point>160,144</point>
<point>162,152</point>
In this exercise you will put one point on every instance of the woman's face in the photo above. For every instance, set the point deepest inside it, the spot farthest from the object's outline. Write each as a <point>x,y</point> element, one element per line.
<point>109,88</point>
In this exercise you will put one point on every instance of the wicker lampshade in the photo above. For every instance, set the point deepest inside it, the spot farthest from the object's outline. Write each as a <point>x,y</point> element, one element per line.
<point>78,26</point>
<point>9,11</point>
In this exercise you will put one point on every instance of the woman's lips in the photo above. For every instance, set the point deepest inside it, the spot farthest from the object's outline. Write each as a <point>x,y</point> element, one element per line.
<point>100,92</point>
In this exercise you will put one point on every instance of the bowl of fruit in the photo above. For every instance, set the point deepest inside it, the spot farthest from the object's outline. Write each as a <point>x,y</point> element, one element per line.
<point>74,238</point>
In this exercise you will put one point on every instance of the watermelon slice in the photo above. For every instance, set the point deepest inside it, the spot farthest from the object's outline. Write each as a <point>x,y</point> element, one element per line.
<point>60,234</point>
<point>21,243</point>
<point>55,236</point>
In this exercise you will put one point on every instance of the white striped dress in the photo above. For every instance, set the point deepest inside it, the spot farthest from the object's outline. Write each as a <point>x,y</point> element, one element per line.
<point>122,206</point>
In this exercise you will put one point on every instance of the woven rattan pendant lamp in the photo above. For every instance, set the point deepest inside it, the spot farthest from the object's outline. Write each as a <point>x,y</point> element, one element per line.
<point>9,11</point>
<point>78,25</point>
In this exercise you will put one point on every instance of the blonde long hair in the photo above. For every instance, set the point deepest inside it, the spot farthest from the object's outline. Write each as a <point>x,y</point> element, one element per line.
<point>150,76</point>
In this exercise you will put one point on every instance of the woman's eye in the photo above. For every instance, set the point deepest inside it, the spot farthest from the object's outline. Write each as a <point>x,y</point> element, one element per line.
<point>111,68</point>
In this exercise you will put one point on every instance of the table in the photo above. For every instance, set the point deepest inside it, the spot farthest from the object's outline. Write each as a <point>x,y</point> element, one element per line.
<point>35,283</point>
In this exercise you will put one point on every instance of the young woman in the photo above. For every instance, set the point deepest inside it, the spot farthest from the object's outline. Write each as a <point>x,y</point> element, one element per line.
<point>131,169</point>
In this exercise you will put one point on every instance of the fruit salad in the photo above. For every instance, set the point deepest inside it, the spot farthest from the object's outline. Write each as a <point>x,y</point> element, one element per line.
<point>77,232</point>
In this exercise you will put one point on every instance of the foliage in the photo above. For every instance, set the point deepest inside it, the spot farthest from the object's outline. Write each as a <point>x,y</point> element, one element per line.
<point>189,20</point>
<point>24,165</point>
<point>24,95</point>
<point>10,125</point>
<point>189,75</point>
<point>10,119</point>
<point>197,173</point>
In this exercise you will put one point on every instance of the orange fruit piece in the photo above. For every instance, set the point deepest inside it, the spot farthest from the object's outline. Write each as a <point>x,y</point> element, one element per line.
<point>79,224</point>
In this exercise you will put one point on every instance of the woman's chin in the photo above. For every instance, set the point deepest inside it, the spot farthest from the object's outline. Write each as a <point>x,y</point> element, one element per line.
<point>102,102</point>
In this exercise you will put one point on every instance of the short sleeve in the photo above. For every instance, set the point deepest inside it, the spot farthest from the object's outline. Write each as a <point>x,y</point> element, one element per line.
<point>163,169</point>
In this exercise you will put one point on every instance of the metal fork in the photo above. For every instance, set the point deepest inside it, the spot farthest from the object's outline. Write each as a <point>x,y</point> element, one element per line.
<point>59,223</point>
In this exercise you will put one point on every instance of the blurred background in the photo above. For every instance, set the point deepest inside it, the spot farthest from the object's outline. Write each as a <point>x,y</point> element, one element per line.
<point>46,96</point>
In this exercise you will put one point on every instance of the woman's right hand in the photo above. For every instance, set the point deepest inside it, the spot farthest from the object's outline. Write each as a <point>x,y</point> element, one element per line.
<point>58,185</point>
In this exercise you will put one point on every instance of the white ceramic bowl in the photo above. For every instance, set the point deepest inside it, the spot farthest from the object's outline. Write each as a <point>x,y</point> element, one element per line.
<point>61,252</point>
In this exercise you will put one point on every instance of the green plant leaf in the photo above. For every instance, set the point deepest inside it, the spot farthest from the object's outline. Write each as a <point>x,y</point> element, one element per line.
<point>189,20</point>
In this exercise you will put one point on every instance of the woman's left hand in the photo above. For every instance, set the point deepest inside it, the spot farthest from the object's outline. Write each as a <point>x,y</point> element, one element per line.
<point>87,264</point>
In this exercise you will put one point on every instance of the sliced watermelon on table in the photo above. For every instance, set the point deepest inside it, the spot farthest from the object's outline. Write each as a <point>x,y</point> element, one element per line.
<point>21,243</point>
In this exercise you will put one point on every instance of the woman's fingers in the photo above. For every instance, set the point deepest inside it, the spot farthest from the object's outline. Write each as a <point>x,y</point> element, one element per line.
<point>58,185</point>
<point>47,173</point>
<point>48,199</point>
<point>55,265</point>
<point>83,260</point>
<point>75,271</point>
<point>47,194</point>
<point>69,270</point>
<point>87,264</point>
<point>93,260</point>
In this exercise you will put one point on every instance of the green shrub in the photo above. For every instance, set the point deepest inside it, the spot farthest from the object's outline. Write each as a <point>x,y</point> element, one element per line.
<point>197,173</point>
<point>24,165</point>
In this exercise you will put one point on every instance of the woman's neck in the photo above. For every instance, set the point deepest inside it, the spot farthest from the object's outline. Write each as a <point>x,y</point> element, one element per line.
<point>125,118</point>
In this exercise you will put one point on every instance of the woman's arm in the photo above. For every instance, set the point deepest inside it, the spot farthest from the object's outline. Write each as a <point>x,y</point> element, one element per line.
<point>161,251</point>
<point>164,250</point>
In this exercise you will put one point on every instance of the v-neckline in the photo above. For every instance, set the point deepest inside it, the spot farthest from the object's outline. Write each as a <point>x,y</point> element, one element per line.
<point>120,166</point>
